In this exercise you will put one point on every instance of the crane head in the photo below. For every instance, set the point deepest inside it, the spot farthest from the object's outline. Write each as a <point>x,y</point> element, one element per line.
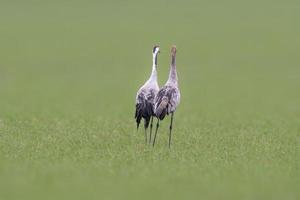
<point>156,49</point>
<point>173,50</point>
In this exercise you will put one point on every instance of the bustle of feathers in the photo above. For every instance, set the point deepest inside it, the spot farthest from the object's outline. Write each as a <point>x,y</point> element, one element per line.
<point>144,107</point>
<point>166,101</point>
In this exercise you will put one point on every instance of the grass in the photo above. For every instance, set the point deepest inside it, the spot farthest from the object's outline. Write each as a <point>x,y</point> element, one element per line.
<point>69,72</point>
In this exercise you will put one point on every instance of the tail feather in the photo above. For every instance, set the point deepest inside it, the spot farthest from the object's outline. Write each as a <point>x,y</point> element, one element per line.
<point>138,115</point>
<point>143,110</point>
<point>146,122</point>
<point>162,108</point>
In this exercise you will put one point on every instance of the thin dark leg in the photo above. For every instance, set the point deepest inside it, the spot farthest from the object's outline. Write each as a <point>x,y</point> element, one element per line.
<point>151,125</point>
<point>170,134</point>
<point>157,125</point>
<point>145,135</point>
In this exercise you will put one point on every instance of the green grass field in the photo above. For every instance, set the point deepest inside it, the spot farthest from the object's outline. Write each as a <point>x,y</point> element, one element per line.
<point>69,72</point>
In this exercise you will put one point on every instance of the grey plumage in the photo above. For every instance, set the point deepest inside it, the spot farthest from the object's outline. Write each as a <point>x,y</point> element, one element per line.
<point>168,97</point>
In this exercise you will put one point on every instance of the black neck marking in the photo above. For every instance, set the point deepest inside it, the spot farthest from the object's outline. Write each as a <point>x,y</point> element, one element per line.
<point>155,59</point>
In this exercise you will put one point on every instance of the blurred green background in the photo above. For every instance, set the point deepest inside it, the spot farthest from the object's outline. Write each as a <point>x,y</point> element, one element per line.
<point>69,72</point>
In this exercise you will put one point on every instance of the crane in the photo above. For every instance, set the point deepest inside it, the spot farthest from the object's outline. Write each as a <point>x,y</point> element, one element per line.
<point>168,97</point>
<point>146,95</point>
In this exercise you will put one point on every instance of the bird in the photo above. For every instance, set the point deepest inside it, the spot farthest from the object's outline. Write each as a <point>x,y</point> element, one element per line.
<point>168,97</point>
<point>146,95</point>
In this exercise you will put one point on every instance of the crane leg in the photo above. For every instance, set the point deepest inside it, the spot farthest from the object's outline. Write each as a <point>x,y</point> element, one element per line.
<point>171,126</point>
<point>157,125</point>
<point>151,125</point>
<point>145,135</point>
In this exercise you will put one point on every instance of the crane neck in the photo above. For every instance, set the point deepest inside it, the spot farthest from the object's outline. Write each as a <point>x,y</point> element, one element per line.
<point>173,73</point>
<point>154,66</point>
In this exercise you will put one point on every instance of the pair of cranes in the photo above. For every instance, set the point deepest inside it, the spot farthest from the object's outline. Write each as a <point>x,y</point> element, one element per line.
<point>154,102</point>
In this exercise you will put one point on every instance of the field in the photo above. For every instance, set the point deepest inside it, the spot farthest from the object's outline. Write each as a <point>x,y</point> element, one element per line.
<point>69,72</point>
